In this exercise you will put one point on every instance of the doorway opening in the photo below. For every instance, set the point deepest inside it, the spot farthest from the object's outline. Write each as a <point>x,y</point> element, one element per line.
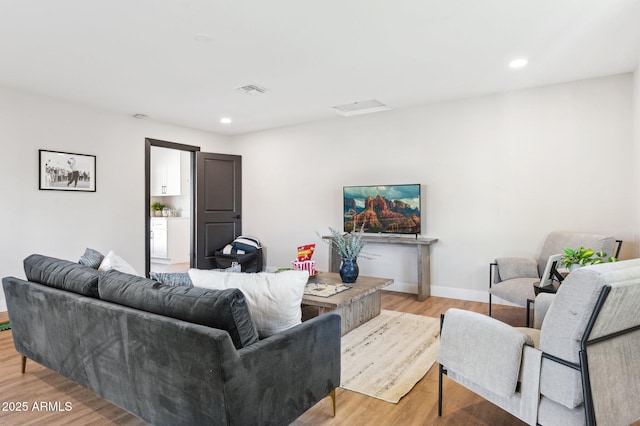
<point>169,206</point>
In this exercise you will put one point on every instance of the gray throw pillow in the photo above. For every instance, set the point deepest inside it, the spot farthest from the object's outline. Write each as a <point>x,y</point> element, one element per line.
<point>91,258</point>
<point>172,278</point>
<point>222,309</point>
<point>182,278</point>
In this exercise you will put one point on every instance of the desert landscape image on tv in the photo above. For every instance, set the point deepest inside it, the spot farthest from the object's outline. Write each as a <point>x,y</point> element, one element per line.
<point>391,209</point>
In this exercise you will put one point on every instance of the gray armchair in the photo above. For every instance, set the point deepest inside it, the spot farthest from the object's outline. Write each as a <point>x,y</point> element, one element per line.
<point>512,278</point>
<point>581,367</point>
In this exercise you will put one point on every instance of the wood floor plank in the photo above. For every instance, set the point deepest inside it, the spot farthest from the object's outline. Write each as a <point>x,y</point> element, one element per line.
<point>419,407</point>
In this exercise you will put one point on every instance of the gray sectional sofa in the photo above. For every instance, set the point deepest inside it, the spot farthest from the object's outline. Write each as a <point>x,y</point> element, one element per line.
<point>168,354</point>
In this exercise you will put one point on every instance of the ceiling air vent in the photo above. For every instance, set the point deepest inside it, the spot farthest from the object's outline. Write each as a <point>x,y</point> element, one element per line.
<point>252,89</point>
<point>362,107</point>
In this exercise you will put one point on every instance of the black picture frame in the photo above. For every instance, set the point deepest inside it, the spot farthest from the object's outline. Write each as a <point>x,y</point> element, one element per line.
<point>66,171</point>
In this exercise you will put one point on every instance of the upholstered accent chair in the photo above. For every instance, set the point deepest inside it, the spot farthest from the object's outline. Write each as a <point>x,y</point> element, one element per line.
<point>581,367</point>
<point>512,278</point>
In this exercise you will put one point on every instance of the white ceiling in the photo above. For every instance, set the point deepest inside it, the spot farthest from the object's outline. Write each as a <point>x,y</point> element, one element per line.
<point>144,56</point>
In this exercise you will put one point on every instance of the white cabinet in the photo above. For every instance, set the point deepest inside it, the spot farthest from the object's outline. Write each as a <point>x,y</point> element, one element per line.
<point>170,239</point>
<point>159,238</point>
<point>165,172</point>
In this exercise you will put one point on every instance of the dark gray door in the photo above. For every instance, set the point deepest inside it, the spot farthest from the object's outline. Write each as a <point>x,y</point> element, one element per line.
<point>218,204</point>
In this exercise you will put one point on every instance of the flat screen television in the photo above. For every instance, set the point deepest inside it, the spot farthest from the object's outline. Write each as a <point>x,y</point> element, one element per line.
<point>391,209</point>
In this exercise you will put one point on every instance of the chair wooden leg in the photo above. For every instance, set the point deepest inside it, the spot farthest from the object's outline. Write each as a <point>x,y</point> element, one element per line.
<point>332,394</point>
<point>24,364</point>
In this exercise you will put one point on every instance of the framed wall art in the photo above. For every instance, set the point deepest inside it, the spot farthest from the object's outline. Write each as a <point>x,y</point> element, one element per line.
<point>65,171</point>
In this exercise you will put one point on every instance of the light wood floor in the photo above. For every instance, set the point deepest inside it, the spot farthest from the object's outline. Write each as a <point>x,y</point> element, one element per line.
<point>419,407</point>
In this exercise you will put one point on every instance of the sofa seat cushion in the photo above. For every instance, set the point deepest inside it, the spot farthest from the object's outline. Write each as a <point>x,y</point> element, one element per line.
<point>221,309</point>
<point>62,274</point>
<point>274,299</point>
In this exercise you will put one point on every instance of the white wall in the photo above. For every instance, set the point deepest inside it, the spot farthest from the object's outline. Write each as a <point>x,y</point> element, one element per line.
<point>62,224</point>
<point>499,172</point>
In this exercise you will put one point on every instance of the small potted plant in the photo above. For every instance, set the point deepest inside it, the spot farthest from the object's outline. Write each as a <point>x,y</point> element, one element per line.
<point>157,208</point>
<point>577,258</point>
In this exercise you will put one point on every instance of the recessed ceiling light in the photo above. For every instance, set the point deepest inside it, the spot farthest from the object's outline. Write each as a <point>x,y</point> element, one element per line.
<point>518,63</point>
<point>225,120</point>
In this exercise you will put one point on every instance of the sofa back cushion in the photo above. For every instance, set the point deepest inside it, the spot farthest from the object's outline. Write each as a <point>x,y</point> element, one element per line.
<point>62,274</point>
<point>222,309</point>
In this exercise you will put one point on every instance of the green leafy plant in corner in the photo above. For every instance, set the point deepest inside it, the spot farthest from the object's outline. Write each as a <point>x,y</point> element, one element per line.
<point>157,206</point>
<point>584,257</point>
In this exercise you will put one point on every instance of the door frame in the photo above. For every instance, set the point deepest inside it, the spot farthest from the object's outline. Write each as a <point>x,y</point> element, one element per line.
<point>148,143</point>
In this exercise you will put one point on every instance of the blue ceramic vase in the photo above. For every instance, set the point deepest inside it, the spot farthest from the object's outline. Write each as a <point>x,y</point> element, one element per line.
<point>349,270</point>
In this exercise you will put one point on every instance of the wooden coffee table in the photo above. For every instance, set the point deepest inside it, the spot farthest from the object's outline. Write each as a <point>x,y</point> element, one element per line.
<point>355,306</point>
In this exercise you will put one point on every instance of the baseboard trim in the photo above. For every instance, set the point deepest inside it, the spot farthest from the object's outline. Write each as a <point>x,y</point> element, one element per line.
<point>402,287</point>
<point>448,292</point>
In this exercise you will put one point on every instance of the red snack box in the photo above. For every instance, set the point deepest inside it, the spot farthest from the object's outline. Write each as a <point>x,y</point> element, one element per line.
<point>305,252</point>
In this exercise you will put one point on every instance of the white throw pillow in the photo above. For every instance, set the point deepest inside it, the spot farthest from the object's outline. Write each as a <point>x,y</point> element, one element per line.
<point>273,299</point>
<point>113,261</point>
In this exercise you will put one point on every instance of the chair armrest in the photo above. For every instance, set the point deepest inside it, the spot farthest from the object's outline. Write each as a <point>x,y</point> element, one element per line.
<point>543,302</point>
<point>494,275</point>
<point>515,267</point>
<point>482,349</point>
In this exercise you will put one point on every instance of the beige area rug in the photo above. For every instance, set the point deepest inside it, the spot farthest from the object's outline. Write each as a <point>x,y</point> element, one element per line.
<point>386,356</point>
